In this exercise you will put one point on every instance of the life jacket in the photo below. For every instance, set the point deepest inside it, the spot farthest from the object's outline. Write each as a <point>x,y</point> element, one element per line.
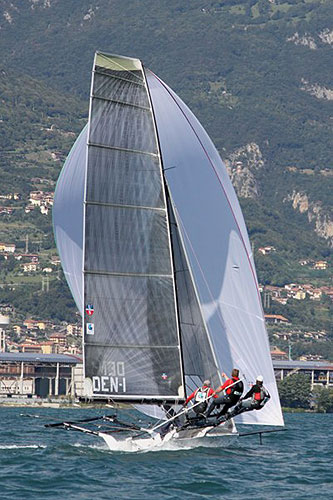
<point>258,396</point>
<point>236,389</point>
<point>200,399</point>
<point>202,394</point>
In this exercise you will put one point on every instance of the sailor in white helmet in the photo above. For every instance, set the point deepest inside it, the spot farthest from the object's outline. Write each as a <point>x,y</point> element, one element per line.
<point>254,399</point>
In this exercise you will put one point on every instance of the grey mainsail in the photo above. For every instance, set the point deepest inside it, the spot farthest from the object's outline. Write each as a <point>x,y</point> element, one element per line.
<point>131,336</point>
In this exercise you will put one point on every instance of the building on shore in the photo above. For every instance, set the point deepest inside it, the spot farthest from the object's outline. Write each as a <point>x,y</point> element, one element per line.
<point>40,375</point>
<point>4,322</point>
<point>277,353</point>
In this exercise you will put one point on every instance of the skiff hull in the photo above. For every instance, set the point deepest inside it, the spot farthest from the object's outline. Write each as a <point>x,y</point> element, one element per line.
<point>187,438</point>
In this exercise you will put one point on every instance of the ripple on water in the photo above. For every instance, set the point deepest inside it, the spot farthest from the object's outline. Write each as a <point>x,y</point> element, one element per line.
<point>39,463</point>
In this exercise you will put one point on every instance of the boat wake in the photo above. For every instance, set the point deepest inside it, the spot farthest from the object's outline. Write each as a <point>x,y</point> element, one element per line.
<point>21,446</point>
<point>125,446</point>
<point>168,443</point>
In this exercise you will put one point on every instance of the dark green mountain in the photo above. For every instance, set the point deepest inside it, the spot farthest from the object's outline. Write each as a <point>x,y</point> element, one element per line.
<point>257,73</point>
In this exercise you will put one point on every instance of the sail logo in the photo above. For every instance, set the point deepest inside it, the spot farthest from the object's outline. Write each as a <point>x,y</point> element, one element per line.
<point>89,309</point>
<point>90,328</point>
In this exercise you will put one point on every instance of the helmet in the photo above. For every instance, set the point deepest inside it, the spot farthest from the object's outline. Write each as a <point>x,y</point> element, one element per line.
<point>260,378</point>
<point>206,382</point>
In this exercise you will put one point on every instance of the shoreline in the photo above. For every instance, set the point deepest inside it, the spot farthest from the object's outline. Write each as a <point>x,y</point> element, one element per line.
<point>19,402</point>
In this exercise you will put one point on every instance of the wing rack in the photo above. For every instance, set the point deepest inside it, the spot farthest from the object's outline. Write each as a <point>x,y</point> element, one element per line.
<point>107,424</point>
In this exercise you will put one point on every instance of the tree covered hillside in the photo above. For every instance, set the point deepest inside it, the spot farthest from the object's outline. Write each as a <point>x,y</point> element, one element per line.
<point>257,73</point>
<point>250,70</point>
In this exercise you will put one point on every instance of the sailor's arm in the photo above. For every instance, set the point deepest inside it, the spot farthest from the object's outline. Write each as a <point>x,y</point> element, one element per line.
<point>191,396</point>
<point>249,393</point>
<point>223,386</point>
<point>267,396</point>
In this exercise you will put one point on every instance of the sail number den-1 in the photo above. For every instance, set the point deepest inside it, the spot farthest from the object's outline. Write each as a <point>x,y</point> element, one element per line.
<point>115,382</point>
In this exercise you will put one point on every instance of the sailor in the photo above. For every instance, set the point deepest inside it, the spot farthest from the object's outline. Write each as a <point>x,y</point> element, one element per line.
<point>254,399</point>
<point>200,397</point>
<point>231,396</point>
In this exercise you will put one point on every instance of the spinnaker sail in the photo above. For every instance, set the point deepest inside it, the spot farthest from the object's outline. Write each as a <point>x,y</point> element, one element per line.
<point>217,245</point>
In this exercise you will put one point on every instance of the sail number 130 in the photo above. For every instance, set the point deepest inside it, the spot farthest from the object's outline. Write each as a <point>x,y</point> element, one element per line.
<point>115,381</point>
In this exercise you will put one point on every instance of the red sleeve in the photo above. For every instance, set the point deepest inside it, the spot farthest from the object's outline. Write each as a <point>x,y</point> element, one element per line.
<point>226,383</point>
<point>191,396</point>
<point>211,392</point>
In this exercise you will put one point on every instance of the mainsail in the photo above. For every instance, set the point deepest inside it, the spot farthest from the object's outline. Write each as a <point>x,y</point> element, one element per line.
<point>167,286</point>
<point>132,344</point>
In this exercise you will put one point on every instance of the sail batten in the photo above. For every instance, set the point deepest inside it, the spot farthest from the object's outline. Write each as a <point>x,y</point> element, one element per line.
<point>117,77</point>
<point>115,101</point>
<point>117,148</point>
<point>136,346</point>
<point>117,205</point>
<point>137,275</point>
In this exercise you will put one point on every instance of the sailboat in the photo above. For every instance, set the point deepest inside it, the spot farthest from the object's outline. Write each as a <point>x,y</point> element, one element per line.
<point>155,250</point>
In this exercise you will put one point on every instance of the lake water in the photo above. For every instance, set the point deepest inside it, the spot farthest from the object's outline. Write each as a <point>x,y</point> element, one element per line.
<point>41,463</point>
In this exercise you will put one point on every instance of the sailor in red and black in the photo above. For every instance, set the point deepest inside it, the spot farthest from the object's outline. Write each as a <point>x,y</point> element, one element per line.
<point>200,397</point>
<point>254,399</point>
<point>232,389</point>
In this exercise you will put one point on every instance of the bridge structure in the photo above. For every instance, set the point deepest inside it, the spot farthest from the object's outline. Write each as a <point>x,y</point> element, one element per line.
<point>320,372</point>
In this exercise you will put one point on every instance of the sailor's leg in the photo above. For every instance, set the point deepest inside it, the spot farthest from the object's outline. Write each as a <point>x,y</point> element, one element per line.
<point>240,407</point>
<point>200,408</point>
<point>228,404</point>
<point>214,403</point>
<point>211,407</point>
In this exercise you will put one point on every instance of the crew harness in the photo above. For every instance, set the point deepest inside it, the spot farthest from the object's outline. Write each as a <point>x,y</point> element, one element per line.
<point>201,398</point>
<point>260,397</point>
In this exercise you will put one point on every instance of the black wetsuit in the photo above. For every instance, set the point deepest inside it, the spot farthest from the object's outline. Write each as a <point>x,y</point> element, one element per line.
<point>254,399</point>
<point>229,399</point>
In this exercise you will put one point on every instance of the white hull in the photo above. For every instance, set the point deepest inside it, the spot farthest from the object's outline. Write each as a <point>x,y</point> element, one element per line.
<point>187,438</point>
